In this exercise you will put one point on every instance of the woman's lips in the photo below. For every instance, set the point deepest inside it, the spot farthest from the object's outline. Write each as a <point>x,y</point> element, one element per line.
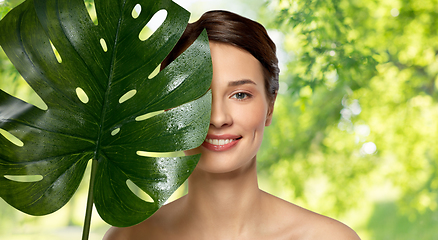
<point>220,143</point>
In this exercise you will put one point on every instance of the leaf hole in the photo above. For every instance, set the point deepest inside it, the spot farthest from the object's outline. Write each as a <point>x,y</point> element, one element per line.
<point>41,104</point>
<point>160,154</point>
<point>91,9</point>
<point>13,139</point>
<point>115,131</point>
<point>58,57</point>
<point>148,115</point>
<point>155,72</point>
<point>153,24</point>
<point>24,178</point>
<point>127,96</point>
<point>136,11</point>
<point>82,95</point>
<point>103,44</point>
<point>138,191</point>
<point>21,89</point>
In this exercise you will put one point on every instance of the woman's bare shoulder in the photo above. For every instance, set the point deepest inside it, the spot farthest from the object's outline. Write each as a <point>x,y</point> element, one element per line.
<point>300,223</point>
<point>328,228</point>
<point>155,227</point>
<point>116,233</point>
<point>142,231</point>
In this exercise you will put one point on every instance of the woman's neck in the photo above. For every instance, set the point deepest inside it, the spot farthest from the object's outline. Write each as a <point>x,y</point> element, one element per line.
<point>224,203</point>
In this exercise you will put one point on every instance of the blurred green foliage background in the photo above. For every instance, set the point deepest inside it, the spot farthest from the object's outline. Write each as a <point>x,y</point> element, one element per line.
<point>355,125</point>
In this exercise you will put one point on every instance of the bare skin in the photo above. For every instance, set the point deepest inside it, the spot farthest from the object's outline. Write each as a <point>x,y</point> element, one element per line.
<point>224,201</point>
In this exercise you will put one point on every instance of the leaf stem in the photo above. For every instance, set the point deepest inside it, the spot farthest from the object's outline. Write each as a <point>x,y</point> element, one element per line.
<point>87,221</point>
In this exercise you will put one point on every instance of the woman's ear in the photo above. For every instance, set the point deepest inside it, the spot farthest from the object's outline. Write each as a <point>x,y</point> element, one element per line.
<point>270,112</point>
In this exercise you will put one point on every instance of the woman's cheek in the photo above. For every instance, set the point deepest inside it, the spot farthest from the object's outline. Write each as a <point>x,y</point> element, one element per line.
<point>252,117</point>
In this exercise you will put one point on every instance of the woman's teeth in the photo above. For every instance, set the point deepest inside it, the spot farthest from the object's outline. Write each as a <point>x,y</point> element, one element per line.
<point>219,141</point>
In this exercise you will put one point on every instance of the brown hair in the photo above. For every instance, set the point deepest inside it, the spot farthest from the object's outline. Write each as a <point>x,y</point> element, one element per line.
<point>230,28</point>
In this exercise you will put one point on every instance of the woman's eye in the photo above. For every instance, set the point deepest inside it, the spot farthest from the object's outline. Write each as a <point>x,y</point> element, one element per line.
<point>241,95</point>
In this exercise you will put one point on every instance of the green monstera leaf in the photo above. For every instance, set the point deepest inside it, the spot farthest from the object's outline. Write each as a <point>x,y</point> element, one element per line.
<point>95,80</point>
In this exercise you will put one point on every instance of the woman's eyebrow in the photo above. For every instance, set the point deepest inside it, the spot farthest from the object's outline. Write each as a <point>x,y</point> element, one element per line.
<point>240,82</point>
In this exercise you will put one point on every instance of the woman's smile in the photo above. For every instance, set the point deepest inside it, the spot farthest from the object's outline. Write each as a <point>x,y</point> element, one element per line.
<point>219,143</point>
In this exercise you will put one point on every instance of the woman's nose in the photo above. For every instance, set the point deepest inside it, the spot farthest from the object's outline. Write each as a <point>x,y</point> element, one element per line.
<point>220,116</point>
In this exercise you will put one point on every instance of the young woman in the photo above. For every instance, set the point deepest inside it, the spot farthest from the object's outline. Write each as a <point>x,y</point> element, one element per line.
<point>224,200</point>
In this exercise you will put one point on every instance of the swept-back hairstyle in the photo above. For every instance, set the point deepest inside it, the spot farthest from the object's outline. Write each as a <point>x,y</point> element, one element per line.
<point>233,29</point>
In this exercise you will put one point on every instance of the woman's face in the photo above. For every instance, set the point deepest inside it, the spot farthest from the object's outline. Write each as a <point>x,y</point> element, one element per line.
<point>239,112</point>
